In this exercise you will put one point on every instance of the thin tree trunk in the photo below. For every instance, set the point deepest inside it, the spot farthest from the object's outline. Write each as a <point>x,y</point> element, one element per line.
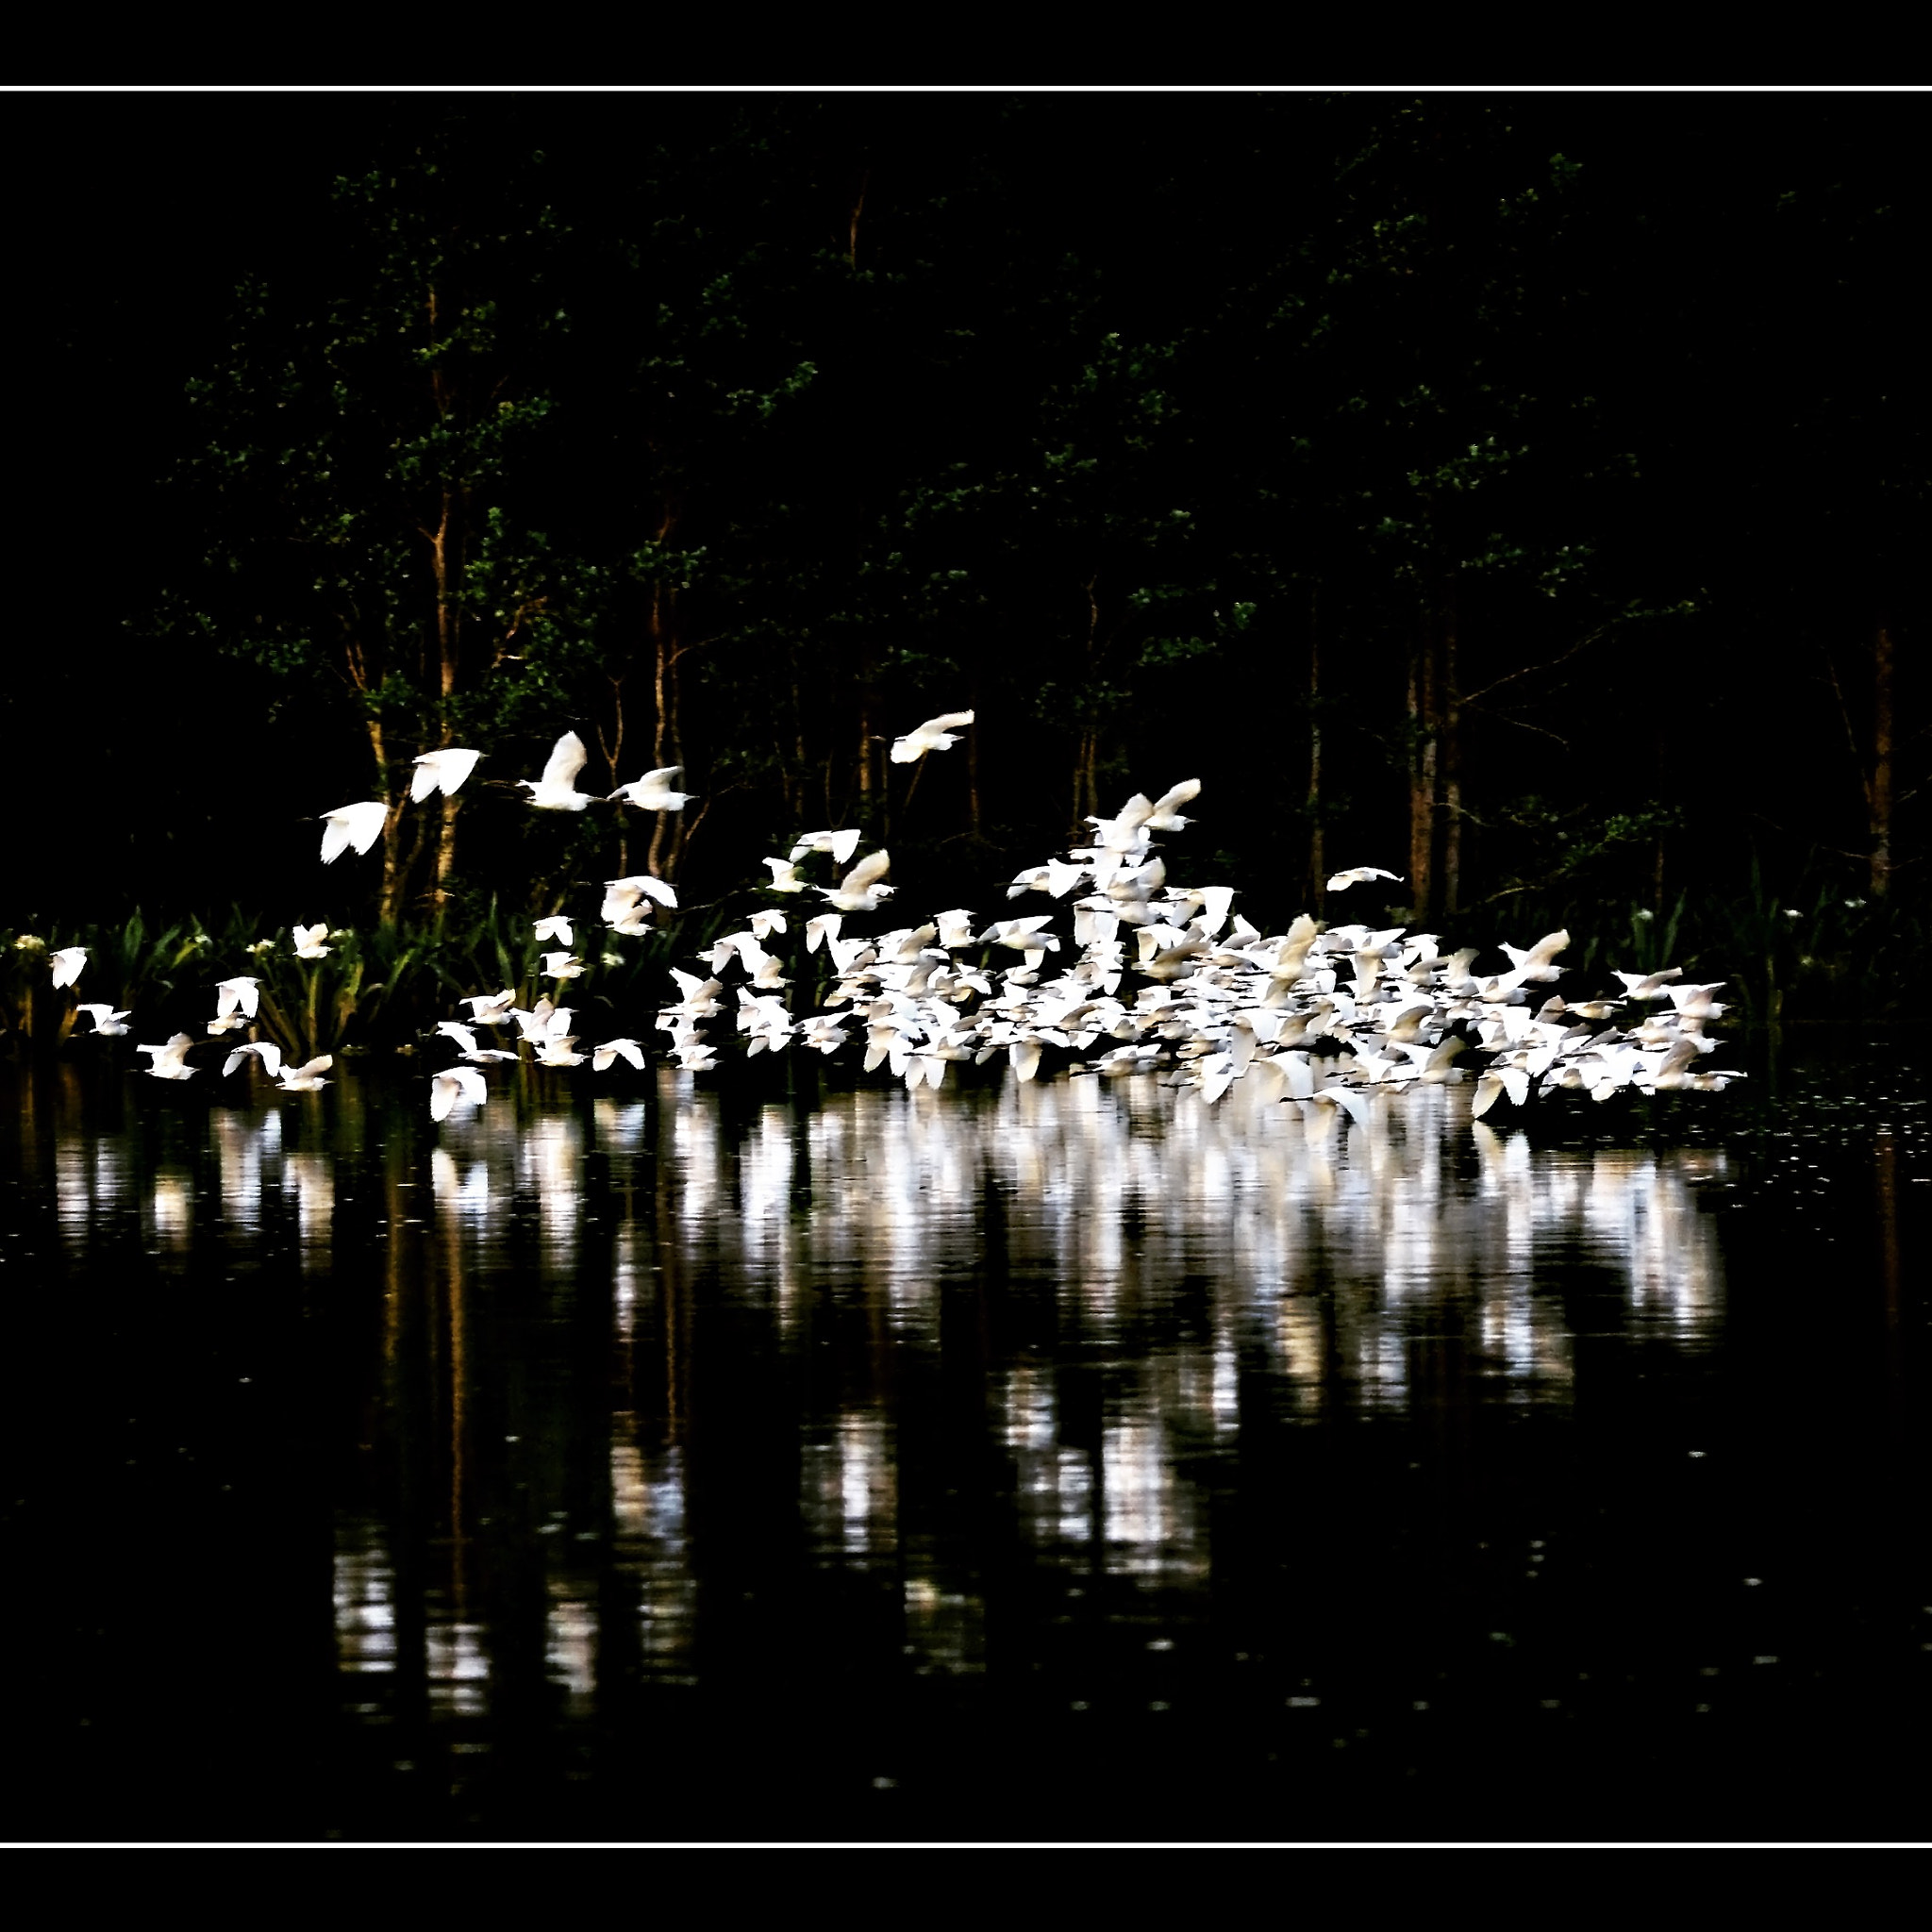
<point>1450,721</point>
<point>973,759</point>
<point>1422,769</point>
<point>1882,729</point>
<point>1318,863</point>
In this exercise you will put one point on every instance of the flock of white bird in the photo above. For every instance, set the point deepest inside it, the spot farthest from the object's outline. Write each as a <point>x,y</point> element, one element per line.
<point>1317,1017</point>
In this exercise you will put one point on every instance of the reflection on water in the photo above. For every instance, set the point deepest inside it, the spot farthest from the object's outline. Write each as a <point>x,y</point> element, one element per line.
<point>654,1396</point>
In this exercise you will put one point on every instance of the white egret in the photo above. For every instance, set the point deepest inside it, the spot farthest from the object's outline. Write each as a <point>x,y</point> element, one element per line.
<point>1648,986</point>
<point>557,929</point>
<point>105,1018</point>
<point>601,1057</point>
<point>265,1051</point>
<point>306,1079</point>
<point>489,1009</point>
<point>238,995</point>
<point>1536,963</point>
<point>556,791</point>
<point>863,889</point>
<point>453,1084</point>
<point>936,734</point>
<point>308,942</point>
<point>562,966</point>
<point>840,845</point>
<point>67,963</point>
<point>170,1061</point>
<point>1359,876</point>
<point>1165,815</point>
<point>623,901</point>
<point>785,875</point>
<point>652,792</point>
<point>359,826</point>
<point>440,770</point>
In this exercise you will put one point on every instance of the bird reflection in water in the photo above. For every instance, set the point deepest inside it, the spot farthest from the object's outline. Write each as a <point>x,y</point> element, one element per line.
<point>866,1330</point>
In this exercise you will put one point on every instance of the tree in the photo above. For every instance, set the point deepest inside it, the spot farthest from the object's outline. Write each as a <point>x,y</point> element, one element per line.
<point>370,460</point>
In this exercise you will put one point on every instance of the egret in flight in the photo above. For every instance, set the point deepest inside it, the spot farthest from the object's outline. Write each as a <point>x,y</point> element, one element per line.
<point>67,964</point>
<point>1361,875</point>
<point>652,792</point>
<point>842,845</point>
<point>863,889</point>
<point>456,1083</point>
<point>936,734</point>
<point>170,1061</point>
<point>442,771</point>
<point>556,791</point>
<point>359,826</point>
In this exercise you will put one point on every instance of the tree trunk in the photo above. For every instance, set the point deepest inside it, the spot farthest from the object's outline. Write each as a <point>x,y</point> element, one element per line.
<point>1880,795</point>
<point>1422,768</point>
<point>1450,729</point>
<point>973,759</point>
<point>1318,863</point>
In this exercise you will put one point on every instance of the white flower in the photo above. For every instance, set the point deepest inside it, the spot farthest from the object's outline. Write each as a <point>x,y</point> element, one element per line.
<point>29,942</point>
<point>1853,905</point>
<point>261,946</point>
<point>1793,912</point>
<point>613,958</point>
<point>1643,912</point>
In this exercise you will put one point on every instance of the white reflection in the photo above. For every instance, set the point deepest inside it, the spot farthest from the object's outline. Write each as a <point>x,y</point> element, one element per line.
<point>365,1603</point>
<point>1332,1260</point>
<point>570,1650</point>
<point>459,1670</point>
<point>551,1164</point>
<point>171,1209</point>
<point>309,1176</point>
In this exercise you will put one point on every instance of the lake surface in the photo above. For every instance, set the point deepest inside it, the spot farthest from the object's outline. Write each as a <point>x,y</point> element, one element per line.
<point>642,1460</point>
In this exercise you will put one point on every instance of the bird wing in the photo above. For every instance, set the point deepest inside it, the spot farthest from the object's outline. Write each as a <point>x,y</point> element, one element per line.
<point>365,822</point>
<point>321,1064</point>
<point>455,764</point>
<point>867,872</point>
<point>567,758</point>
<point>948,720</point>
<point>1172,801</point>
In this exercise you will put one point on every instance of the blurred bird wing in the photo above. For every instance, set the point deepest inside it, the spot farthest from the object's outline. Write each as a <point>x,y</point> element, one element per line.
<point>867,872</point>
<point>946,721</point>
<point>321,1064</point>
<point>1172,801</point>
<point>567,758</point>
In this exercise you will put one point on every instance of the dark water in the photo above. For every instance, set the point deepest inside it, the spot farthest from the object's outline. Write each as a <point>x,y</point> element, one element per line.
<point>1058,1461</point>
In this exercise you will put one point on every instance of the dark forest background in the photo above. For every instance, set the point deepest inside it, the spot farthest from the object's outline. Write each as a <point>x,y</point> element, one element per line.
<point>1525,493</point>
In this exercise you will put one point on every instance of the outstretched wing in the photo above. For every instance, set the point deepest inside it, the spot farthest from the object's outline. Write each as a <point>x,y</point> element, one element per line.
<point>950,720</point>
<point>567,758</point>
<point>867,872</point>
